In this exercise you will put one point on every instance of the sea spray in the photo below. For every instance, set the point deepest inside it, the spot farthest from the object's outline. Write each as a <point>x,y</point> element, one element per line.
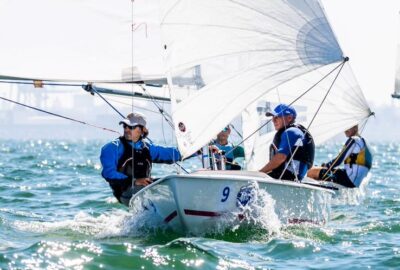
<point>352,196</point>
<point>108,224</point>
<point>260,210</point>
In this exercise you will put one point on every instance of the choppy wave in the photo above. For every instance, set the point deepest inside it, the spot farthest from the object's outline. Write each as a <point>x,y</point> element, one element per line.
<point>57,213</point>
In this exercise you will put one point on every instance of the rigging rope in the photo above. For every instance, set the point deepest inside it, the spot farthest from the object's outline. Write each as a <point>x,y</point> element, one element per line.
<point>92,89</point>
<point>315,115</point>
<point>344,149</point>
<point>237,132</point>
<point>132,100</point>
<point>58,115</point>
<point>269,121</point>
<point>287,138</point>
<point>126,104</point>
<point>166,116</point>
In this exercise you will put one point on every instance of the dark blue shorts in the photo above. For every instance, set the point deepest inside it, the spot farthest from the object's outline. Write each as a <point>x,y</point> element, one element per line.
<point>338,176</point>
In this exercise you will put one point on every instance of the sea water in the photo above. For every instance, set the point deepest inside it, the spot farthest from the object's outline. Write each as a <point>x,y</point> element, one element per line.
<point>56,212</point>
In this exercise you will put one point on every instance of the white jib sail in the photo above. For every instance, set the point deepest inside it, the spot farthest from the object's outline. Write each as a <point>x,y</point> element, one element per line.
<point>344,107</point>
<point>85,40</point>
<point>237,51</point>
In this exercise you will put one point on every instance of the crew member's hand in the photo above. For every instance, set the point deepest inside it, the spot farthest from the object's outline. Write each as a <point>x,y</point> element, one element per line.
<point>214,149</point>
<point>143,181</point>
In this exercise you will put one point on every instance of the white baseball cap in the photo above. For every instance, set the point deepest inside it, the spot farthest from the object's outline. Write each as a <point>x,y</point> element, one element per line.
<point>134,119</point>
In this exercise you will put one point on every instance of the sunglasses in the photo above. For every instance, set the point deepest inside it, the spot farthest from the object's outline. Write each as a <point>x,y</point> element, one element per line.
<point>131,128</point>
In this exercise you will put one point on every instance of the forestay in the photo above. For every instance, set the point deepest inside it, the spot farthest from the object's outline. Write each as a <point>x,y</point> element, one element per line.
<point>238,51</point>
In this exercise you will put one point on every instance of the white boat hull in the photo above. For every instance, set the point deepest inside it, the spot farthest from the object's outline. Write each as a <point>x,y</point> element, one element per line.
<point>199,202</point>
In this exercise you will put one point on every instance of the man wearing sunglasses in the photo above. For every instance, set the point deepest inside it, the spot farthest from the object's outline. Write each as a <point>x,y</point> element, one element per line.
<point>292,150</point>
<point>127,161</point>
<point>231,151</point>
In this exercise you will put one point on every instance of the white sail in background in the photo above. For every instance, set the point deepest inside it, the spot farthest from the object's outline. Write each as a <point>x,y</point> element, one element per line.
<point>240,51</point>
<point>396,93</point>
<point>85,40</point>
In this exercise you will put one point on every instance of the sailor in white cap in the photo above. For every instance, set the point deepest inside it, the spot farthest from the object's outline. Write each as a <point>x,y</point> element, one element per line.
<point>127,161</point>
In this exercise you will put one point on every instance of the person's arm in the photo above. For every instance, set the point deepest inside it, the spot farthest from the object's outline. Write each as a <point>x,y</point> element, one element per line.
<point>274,163</point>
<point>162,154</point>
<point>344,153</point>
<point>109,156</point>
<point>238,152</point>
<point>285,149</point>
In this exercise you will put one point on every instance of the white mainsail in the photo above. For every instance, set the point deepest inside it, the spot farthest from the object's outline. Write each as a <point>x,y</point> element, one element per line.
<point>85,40</point>
<point>231,53</point>
<point>242,50</point>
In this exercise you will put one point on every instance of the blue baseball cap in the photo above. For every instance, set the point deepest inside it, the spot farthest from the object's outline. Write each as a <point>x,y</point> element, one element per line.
<point>282,110</point>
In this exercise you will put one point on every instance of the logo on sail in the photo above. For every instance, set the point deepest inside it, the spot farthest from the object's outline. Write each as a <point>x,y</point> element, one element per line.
<point>182,127</point>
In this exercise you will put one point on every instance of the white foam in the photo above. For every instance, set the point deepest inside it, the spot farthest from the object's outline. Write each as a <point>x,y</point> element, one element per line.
<point>261,211</point>
<point>352,196</point>
<point>258,212</point>
<point>110,224</point>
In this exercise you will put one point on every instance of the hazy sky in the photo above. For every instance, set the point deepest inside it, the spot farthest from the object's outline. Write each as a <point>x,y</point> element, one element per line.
<point>368,31</point>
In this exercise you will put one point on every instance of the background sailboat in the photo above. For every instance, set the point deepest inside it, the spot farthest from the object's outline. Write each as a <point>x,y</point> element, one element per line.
<point>396,93</point>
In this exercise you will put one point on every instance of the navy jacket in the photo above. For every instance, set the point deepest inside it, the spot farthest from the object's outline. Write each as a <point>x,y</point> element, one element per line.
<point>112,152</point>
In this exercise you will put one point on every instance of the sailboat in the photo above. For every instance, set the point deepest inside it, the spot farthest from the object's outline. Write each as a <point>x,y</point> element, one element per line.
<point>252,55</point>
<point>229,58</point>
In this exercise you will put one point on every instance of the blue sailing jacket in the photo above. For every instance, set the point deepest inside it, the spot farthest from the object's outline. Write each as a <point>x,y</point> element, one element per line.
<point>113,151</point>
<point>289,140</point>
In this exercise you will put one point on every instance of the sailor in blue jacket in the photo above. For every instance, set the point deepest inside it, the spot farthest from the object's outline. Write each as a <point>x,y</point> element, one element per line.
<point>292,150</point>
<point>127,161</point>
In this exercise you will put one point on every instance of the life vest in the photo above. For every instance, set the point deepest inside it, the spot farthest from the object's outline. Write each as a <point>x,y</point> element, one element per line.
<point>363,158</point>
<point>305,153</point>
<point>135,163</point>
